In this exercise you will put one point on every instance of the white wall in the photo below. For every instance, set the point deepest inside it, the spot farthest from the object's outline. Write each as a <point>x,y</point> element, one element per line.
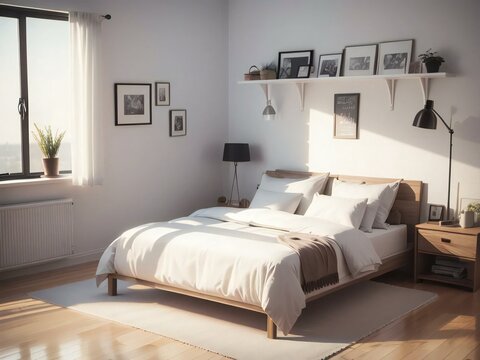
<point>388,145</point>
<point>148,175</point>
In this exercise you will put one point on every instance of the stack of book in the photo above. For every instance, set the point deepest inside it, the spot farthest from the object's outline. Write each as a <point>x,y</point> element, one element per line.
<point>449,267</point>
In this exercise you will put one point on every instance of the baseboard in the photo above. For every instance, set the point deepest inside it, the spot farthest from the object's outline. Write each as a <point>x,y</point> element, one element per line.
<point>84,257</point>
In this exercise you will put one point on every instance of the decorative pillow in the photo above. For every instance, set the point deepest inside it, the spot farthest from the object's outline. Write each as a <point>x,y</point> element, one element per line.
<point>387,198</point>
<point>307,187</point>
<point>276,200</point>
<point>361,191</point>
<point>348,212</point>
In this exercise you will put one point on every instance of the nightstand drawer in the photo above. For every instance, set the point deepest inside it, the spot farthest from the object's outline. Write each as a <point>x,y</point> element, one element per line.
<point>440,242</point>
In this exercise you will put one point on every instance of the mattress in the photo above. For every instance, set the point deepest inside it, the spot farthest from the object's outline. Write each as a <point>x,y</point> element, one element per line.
<point>388,242</point>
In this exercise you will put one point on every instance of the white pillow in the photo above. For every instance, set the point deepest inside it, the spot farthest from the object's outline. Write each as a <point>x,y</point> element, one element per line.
<point>308,187</point>
<point>361,191</point>
<point>348,212</point>
<point>387,198</point>
<point>276,200</point>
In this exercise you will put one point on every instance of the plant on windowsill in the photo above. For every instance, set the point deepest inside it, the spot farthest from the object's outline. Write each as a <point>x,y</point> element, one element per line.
<point>49,145</point>
<point>431,60</point>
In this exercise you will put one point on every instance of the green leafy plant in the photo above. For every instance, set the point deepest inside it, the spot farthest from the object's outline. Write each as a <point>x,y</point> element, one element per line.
<point>430,56</point>
<point>48,143</point>
<point>474,206</point>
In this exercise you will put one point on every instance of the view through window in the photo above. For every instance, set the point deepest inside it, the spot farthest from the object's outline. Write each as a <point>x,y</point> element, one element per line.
<point>34,50</point>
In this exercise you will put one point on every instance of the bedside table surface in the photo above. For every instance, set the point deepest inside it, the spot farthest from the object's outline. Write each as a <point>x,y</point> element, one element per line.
<point>475,231</point>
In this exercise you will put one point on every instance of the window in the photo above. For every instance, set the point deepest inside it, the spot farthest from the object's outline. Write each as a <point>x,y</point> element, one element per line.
<point>34,73</point>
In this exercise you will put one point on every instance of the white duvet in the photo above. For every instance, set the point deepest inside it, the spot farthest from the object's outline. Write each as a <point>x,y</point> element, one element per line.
<point>234,254</point>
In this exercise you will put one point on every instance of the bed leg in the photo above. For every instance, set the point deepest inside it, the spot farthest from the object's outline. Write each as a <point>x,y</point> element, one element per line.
<point>112,285</point>
<point>271,328</point>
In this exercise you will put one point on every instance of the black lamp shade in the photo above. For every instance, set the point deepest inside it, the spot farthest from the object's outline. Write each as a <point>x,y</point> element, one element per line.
<point>236,152</point>
<point>426,118</point>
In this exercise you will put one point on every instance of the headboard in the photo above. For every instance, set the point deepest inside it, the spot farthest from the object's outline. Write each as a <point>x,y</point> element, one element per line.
<point>407,201</point>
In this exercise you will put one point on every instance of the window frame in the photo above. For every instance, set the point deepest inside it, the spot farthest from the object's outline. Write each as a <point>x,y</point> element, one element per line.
<point>21,14</point>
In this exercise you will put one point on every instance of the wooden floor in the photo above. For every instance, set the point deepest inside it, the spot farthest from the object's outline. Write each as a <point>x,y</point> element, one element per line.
<point>446,329</point>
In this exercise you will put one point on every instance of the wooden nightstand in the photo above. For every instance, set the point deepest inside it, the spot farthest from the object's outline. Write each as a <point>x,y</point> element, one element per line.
<point>453,243</point>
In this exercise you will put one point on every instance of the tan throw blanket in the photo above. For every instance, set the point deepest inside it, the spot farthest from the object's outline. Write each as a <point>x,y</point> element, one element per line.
<point>318,260</point>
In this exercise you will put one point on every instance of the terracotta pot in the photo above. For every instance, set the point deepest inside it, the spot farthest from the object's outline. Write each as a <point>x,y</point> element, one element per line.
<point>50,167</point>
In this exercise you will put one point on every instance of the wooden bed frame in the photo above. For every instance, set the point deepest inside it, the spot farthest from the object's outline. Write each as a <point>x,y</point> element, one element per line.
<point>407,203</point>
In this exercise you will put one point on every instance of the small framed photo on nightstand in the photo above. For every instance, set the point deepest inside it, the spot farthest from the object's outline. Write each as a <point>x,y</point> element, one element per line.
<point>435,213</point>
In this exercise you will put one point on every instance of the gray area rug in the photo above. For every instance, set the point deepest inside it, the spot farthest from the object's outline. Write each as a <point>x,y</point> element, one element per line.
<point>325,327</point>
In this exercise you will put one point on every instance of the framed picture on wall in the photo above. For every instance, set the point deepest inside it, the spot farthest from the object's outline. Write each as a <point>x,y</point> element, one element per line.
<point>329,65</point>
<point>162,94</point>
<point>178,123</point>
<point>394,57</point>
<point>346,109</point>
<point>360,60</point>
<point>289,62</point>
<point>133,104</point>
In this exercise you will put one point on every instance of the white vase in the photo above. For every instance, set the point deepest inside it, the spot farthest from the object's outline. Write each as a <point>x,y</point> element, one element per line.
<point>467,219</point>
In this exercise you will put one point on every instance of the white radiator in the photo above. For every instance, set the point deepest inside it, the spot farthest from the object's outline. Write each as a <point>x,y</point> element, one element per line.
<point>35,232</point>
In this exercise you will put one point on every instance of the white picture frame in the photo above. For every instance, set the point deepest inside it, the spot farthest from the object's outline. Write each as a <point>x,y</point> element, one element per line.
<point>329,65</point>
<point>360,60</point>
<point>394,57</point>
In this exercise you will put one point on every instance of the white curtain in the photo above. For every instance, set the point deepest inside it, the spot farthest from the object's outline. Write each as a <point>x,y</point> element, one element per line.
<point>85,47</point>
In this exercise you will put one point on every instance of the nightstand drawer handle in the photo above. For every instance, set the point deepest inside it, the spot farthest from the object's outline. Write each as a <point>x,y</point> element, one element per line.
<point>448,241</point>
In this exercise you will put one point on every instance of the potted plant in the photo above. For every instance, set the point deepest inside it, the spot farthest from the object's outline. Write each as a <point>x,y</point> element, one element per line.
<point>475,208</point>
<point>268,71</point>
<point>49,146</point>
<point>431,60</point>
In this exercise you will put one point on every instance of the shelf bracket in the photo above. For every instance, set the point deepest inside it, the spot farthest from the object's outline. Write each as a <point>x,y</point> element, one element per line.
<point>391,91</point>
<point>301,94</point>
<point>266,90</point>
<point>425,88</point>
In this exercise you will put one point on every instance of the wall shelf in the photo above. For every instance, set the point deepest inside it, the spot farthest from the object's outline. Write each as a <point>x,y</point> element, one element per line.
<point>389,80</point>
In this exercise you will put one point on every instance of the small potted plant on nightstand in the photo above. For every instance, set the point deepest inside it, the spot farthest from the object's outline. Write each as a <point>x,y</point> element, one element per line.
<point>475,208</point>
<point>431,60</point>
<point>49,145</point>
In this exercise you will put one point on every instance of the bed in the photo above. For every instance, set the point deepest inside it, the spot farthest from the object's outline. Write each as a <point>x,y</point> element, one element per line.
<point>238,261</point>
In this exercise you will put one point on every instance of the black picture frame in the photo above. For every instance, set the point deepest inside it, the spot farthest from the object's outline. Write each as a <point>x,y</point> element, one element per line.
<point>329,65</point>
<point>360,60</point>
<point>133,104</point>
<point>435,212</point>
<point>178,122</point>
<point>162,93</point>
<point>304,71</point>
<point>346,111</point>
<point>290,61</point>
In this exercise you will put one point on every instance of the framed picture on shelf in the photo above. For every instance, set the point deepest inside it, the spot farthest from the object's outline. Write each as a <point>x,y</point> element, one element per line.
<point>394,57</point>
<point>435,213</point>
<point>329,65</point>
<point>162,94</point>
<point>133,104</point>
<point>178,123</point>
<point>359,60</point>
<point>304,71</point>
<point>346,109</point>
<point>289,62</point>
